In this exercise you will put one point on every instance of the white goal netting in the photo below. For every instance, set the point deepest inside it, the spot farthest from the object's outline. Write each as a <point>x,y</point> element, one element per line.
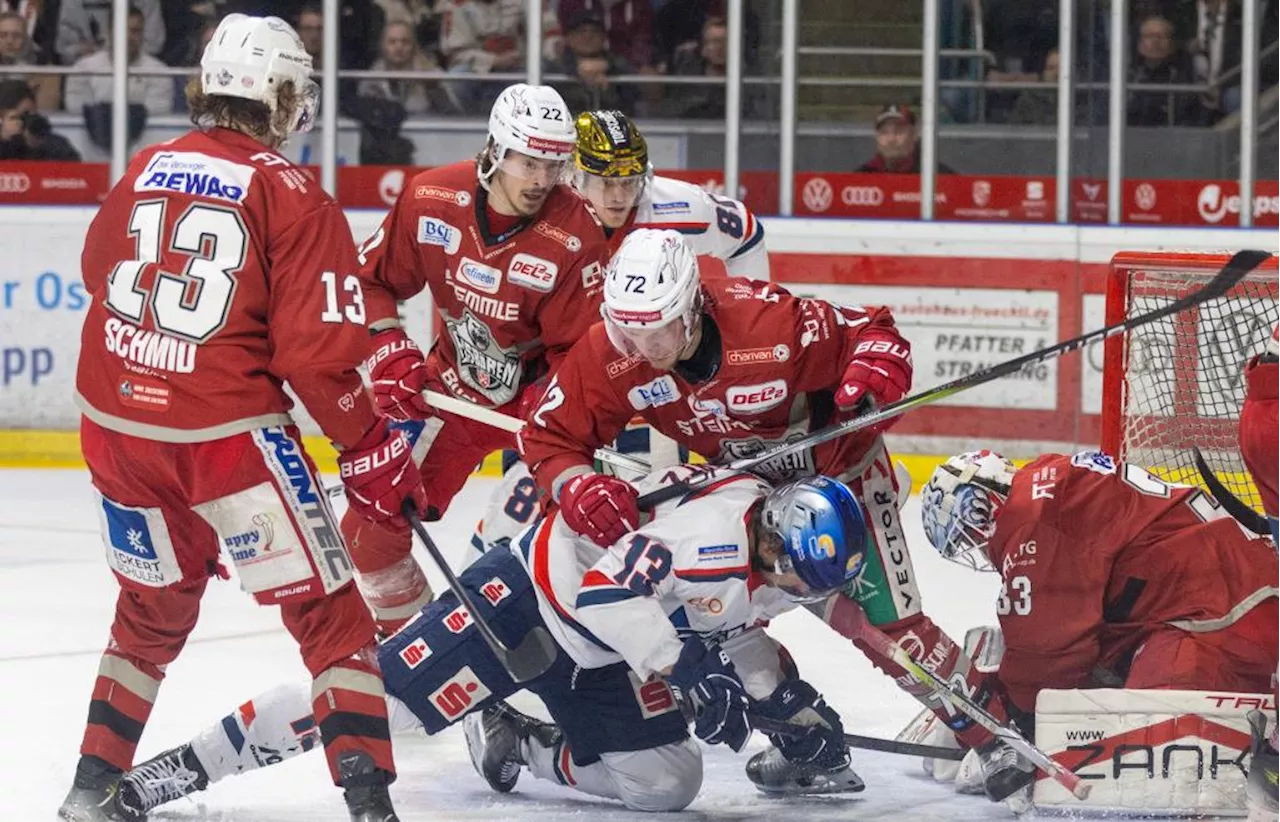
<point>1179,382</point>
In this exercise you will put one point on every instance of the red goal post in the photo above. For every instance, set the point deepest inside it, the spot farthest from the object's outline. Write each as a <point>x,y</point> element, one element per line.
<point>1179,382</point>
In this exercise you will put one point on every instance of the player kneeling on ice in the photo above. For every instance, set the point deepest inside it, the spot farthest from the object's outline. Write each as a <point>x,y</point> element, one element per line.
<point>700,578</point>
<point>1111,578</point>
<point>728,367</point>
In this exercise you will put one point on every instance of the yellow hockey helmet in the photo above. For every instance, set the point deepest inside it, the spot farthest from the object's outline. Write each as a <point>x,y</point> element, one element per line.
<point>610,145</point>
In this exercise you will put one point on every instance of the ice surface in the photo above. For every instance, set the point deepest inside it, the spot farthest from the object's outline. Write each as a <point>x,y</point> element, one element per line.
<point>56,598</point>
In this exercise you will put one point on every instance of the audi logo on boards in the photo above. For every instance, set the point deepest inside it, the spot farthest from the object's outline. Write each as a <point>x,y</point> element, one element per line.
<point>14,183</point>
<point>869,196</point>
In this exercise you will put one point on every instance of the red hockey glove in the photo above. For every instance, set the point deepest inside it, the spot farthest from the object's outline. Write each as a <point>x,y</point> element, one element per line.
<point>380,475</point>
<point>880,369</point>
<point>600,507</point>
<point>399,374</point>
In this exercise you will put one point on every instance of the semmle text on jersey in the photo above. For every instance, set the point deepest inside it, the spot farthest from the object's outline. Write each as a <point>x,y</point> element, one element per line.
<point>187,172</point>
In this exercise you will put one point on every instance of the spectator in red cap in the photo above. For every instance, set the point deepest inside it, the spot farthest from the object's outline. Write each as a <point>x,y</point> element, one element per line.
<point>897,144</point>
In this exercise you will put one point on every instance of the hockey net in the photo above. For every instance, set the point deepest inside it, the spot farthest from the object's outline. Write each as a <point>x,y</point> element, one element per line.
<point>1179,382</point>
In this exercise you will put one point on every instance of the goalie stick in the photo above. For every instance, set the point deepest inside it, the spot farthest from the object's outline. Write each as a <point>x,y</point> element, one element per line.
<point>1233,505</point>
<point>887,648</point>
<point>528,660</point>
<point>1236,269</point>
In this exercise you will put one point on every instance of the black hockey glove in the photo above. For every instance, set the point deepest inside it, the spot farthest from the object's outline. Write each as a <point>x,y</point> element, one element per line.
<point>1004,771</point>
<point>798,703</point>
<point>704,679</point>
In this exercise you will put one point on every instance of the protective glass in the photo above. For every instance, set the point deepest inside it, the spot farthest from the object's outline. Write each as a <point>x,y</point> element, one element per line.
<point>533,170</point>
<point>308,105</point>
<point>654,343</point>
<point>610,192</point>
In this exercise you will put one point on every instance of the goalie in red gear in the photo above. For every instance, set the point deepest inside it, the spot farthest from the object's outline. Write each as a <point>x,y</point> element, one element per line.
<point>513,260</point>
<point>1258,426</point>
<point>1109,573</point>
<point>727,367</point>
<point>219,271</point>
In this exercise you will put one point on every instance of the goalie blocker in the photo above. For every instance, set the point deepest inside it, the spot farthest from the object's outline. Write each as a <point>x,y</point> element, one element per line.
<point>1149,751</point>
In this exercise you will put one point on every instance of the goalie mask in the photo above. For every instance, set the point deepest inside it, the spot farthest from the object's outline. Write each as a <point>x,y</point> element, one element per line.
<point>652,296</point>
<point>612,164</point>
<point>823,532</point>
<point>959,505</point>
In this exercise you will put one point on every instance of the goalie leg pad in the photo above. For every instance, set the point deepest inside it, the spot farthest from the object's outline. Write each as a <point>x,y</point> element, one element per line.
<point>1155,751</point>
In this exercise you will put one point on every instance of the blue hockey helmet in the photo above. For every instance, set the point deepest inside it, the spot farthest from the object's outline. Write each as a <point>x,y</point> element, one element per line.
<point>823,532</point>
<point>959,505</point>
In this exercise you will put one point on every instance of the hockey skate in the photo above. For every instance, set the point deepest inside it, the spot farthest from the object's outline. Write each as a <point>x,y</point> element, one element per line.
<point>365,788</point>
<point>163,778</point>
<point>95,795</point>
<point>1262,771</point>
<point>774,774</point>
<point>496,738</point>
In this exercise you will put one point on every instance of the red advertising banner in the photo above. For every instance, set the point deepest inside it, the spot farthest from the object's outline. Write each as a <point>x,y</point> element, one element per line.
<point>988,198</point>
<point>53,183</point>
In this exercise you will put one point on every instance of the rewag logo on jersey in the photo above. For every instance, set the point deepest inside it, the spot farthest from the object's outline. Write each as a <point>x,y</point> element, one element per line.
<point>480,277</point>
<point>654,394</point>
<point>756,399</point>
<point>437,232</point>
<point>533,272</point>
<point>188,172</point>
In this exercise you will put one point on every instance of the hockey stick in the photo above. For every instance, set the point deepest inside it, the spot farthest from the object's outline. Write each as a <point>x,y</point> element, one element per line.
<point>514,425</point>
<point>1233,272</point>
<point>869,743</point>
<point>528,660</point>
<point>1233,505</point>
<point>890,650</point>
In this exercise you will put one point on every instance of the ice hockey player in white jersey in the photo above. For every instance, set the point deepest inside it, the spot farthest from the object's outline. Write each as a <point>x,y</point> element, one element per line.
<point>614,174</point>
<point>701,575</point>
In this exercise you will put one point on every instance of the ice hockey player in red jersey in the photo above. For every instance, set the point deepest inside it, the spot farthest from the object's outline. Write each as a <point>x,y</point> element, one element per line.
<point>1258,426</point>
<point>218,272</point>
<point>1107,568</point>
<point>1259,447</point>
<point>726,367</point>
<point>514,264</point>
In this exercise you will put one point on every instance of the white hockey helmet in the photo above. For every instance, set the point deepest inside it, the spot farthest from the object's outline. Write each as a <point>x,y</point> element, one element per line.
<point>251,57</point>
<point>651,282</point>
<point>959,505</point>
<point>532,120</point>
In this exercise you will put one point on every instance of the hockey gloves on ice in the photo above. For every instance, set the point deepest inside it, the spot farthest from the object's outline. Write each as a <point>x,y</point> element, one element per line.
<point>704,678</point>
<point>796,702</point>
<point>399,374</point>
<point>600,507</point>
<point>880,369</point>
<point>380,475</point>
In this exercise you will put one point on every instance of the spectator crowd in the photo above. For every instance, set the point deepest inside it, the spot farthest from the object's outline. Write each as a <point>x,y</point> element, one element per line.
<point>1174,43</point>
<point>439,57</point>
<point>455,42</point>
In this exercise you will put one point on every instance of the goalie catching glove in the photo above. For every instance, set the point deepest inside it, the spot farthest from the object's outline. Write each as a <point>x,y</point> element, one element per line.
<point>704,679</point>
